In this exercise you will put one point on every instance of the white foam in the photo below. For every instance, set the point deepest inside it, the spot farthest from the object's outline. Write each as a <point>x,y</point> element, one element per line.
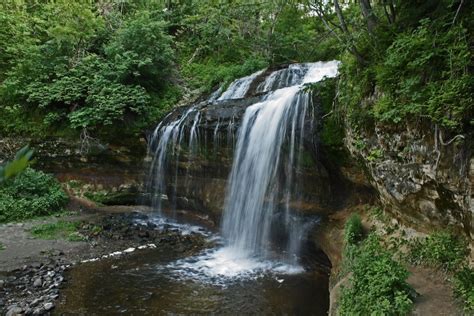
<point>320,70</point>
<point>224,265</point>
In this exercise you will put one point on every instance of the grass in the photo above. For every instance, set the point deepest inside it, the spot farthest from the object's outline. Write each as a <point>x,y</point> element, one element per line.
<point>463,285</point>
<point>2,246</point>
<point>443,250</point>
<point>60,230</point>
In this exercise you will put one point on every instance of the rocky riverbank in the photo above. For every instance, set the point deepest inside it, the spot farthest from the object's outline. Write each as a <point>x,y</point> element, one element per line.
<point>34,286</point>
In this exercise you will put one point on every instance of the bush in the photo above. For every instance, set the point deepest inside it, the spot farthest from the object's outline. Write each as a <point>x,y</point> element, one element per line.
<point>463,282</point>
<point>207,74</point>
<point>441,249</point>
<point>425,73</point>
<point>353,230</point>
<point>378,283</point>
<point>31,194</point>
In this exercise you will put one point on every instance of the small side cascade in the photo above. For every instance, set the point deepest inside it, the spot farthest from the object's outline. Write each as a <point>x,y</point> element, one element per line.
<point>293,75</point>
<point>239,87</point>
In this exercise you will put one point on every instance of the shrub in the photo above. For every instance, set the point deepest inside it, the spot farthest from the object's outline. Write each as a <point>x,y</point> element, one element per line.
<point>378,283</point>
<point>353,230</point>
<point>441,249</point>
<point>31,194</point>
<point>463,282</point>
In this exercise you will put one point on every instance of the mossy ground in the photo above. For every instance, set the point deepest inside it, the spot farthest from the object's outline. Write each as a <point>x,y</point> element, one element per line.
<point>61,229</point>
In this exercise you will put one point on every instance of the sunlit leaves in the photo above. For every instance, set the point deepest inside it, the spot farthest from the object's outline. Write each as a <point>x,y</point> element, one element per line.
<point>17,165</point>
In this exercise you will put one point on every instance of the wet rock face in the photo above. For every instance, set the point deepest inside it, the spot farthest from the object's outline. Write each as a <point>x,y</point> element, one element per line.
<point>422,177</point>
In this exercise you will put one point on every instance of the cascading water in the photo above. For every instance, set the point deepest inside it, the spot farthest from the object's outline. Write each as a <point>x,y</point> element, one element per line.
<point>239,87</point>
<point>262,184</point>
<point>253,185</point>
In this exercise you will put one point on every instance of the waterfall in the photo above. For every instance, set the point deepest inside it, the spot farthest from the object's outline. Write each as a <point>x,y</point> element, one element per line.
<point>166,137</point>
<point>247,215</point>
<point>239,87</point>
<point>254,188</point>
<point>263,185</point>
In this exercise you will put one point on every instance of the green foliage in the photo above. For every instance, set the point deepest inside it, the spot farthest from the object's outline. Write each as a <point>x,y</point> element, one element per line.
<point>375,154</point>
<point>378,283</point>
<point>441,249</point>
<point>89,65</point>
<point>353,230</point>
<point>463,283</point>
<point>17,165</point>
<point>79,68</point>
<point>30,194</point>
<point>58,230</point>
<point>449,252</point>
<point>414,65</point>
<point>220,42</point>
<point>332,133</point>
<point>73,65</point>
<point>425,72</point>
<point>207,74</point>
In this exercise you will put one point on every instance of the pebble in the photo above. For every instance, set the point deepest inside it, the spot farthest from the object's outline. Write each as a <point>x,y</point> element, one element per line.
<point>14,310</point>
<point>48,306</point>
<point>36,265</point>
<point>38,282</point>
<point>35,302</point>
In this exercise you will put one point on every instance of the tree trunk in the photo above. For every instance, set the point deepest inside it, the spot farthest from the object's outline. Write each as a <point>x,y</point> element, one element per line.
<point>345,30</point>
<point>342,21</point>
<point>369,15</point>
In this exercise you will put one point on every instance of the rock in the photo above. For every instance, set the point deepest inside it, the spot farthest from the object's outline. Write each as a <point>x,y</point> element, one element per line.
<point>36,265</point>
<point>48,306</point>
<point>38,311</point>
<point>38,282</point>
<point>35,302</point>
<point>57,253</point>
<point>14,310</point>
<point>2,283</point>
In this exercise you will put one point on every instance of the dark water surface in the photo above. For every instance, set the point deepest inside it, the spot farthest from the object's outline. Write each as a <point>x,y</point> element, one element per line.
<point>136,285</point>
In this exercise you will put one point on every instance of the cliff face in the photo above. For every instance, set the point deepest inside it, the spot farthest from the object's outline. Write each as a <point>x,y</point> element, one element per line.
<point>422,176</point>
